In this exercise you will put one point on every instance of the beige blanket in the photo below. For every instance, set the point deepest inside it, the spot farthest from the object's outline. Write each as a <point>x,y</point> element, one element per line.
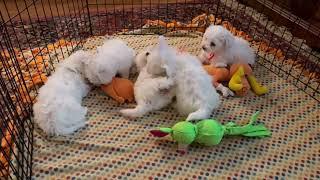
<point>112,146</point>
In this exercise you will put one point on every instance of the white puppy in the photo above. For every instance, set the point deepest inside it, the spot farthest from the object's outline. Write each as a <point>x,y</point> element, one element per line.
<point>196,97</point>
<point>112,58</point>
<point>221,48</point>
<point>58,109</point>
<point>142,57</point>
<point>151,92</point>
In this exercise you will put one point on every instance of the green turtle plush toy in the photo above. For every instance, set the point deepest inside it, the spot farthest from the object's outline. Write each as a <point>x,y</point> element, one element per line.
<point>209,132</point>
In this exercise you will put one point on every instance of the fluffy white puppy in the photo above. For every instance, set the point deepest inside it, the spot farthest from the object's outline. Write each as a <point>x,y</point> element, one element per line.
<point>112,58</point>
<point>58,109</point>
<point>151,92</point>
<point>221,48</point>
<point>195,95</point>
<point>141,59</point>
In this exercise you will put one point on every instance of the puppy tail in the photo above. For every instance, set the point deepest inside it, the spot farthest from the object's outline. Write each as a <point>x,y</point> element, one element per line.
<point>201,113</point>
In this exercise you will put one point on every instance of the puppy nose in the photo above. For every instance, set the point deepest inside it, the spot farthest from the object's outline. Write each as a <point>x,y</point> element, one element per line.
<point>204,48</point>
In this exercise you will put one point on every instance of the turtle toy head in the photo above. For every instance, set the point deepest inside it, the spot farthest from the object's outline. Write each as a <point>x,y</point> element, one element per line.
<point>183,132</point>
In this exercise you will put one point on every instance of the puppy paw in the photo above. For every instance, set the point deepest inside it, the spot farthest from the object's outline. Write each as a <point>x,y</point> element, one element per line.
<point>126,112</point>
<point>225,91</point>
<point>130,113</point>
<point>192,117</point>
<point>220,65</point>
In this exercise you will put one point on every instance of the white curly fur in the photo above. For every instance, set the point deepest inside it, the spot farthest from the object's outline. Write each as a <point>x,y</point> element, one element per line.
<point>151,92</point>
<point>196,97</point>
<point>58,109</point>
<point>112,58</point>
<point>141,59</point>
<point>225,48</point>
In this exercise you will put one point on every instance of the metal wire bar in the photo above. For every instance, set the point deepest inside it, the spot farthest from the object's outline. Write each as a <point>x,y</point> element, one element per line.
<point>74,20</point>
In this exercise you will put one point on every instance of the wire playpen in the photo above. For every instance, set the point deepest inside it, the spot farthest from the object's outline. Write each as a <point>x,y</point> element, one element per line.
<point>37,34</point>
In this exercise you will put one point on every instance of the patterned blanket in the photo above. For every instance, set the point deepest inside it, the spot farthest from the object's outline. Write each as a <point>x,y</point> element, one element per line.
<point>111,146</point>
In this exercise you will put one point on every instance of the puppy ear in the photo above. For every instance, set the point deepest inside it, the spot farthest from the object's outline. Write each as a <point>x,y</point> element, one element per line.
<point>169,66</point>
<point>162,42</point>
<point>102,73</point>
<point>169,70</point>
<point>167,55</point>
<point>165,50</point>
<point>80,55</point>
<point>227,38</point>
<point>85,61</point>
<point>140,60</point>
<point>104,76</point>
<point>163,47</point>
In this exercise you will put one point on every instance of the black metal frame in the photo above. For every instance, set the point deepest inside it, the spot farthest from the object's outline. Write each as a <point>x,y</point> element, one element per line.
<point>79,19</point>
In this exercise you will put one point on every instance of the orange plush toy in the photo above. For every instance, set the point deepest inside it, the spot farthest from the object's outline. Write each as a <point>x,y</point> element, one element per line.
<point>119,89</point>
<point>219,75</point>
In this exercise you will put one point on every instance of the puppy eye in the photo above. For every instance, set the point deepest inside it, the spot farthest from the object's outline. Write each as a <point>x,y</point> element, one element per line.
<point>212,44</point>
<point>147,54</point>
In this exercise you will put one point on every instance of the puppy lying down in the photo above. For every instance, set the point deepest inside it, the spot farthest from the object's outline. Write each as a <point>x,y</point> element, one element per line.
<point>58,110</point>
<point>221,48</point>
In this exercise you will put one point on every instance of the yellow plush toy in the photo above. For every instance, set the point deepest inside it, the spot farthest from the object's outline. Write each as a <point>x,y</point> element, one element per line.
<point>119,89</point>
<point>242,79</point>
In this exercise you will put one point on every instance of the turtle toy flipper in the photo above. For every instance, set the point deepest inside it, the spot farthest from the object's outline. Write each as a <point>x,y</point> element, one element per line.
<point>249,130</point>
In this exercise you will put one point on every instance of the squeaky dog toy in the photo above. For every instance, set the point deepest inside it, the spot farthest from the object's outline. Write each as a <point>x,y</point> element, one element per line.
<point>209,132</point>
<point>242,79</point>
<point>119,89</point>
